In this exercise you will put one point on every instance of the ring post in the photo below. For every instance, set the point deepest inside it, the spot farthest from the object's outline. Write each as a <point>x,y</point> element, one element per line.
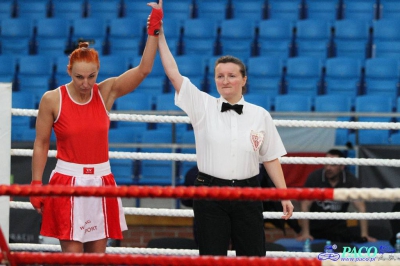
<point>5,154</point>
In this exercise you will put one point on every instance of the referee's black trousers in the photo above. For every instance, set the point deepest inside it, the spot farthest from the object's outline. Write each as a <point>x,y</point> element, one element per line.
<point>221,221</point>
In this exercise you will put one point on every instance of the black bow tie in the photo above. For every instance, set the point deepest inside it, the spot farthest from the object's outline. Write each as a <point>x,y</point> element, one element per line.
<point>236,107</point>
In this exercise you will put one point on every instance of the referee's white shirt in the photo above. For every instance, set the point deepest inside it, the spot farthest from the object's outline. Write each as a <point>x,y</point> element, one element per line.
<point>224,145</point>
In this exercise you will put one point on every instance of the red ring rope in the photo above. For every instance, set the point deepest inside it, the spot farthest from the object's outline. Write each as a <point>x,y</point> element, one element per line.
<point>116,259</point>
<point>223,193</point>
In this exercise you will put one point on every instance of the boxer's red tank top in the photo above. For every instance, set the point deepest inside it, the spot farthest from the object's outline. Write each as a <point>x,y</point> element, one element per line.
<point>82,129</point>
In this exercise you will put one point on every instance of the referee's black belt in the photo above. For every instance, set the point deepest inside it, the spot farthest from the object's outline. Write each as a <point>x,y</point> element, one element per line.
<point>211,180</point>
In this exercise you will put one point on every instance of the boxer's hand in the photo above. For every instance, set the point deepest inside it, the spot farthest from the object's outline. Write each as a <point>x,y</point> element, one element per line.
<point>156,15</point>
<point>36,201</point>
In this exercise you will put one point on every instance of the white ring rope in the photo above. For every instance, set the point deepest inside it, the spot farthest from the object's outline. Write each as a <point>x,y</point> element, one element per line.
<point>267,215</point>
<point>279,123</point>
<point>192,158</point>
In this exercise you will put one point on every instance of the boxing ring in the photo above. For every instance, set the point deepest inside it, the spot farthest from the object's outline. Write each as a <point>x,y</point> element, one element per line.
<point>21,254</point>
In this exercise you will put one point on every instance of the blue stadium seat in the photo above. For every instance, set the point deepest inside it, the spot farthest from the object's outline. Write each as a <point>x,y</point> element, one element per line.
<point>35,65</point>
<point>33,9</point>
<point>193,67</point>
<point>265,75</point>
<point>360,9</point>
<point>136,9</point>
<point>178,9</point>
<point>104,9</point>
<point>386,38</point>
<point>125,36</point>
<point>258,98</point>
<point>61,76</point>
<point>126,47</point>
<point>286,9</point>
<point>336,103</point>
<point>156,172</point>
<point>37,85</point>
<point>166,102</point>
<point>313,38</point>
<point>154,85</point>
<point>7,9</point>
<point>16,36</point>
<point>395,138</point>
<point>389,9</point>
<point>293,103</point>
<point>117,137</point>
<point>237,38</point>
<point>22,126</point>
<point>386,49</point>
<point>134,101</point>
<point>68,9</point>
<point>371,104</point>
<point>343,75</point>
<point>52,36</point>
<point>155,82</point>
<point>112,66</point>
<point>303,76</point>
<point>275,38</point>
<point>382,77</point>
<point>322,9</point>
<point>333,103</point>
<point>8,68</point>
<point>90,29</point>
<point>352,38</point>
<point>35,74</point>
<point>123,169</point>
<point>199,37</point>
<point>22,100</point>
<point>210,75</point>
<point>186,138</point>
<point>52,47</point>
<point>216,10</point>
<point>172,29</point>
<point>250,9</point>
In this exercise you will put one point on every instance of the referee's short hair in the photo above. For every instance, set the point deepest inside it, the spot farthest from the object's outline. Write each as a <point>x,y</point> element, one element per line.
<point>336,152</point>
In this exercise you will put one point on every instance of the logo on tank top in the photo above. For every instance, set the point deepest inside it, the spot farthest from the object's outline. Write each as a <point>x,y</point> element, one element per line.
<point>88,170</point>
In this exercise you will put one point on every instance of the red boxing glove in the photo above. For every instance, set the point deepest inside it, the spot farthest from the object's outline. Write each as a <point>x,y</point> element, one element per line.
<point>37,201</point>
<point>156,16</point>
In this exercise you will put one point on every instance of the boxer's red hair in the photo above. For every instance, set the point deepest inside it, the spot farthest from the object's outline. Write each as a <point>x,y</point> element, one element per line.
<point>85,54</point>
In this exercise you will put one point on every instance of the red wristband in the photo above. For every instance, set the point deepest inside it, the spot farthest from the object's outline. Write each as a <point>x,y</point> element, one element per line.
<point>36,201</point>
<point>156,16</point>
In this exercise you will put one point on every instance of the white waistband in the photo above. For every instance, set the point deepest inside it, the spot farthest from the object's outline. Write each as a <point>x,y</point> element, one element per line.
<point>74,169</point>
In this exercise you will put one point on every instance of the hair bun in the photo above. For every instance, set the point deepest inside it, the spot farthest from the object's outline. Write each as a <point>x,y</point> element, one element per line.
<point>83,45</point>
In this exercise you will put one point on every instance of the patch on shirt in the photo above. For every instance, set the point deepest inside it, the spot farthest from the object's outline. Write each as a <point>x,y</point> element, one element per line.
<point>256,139</point>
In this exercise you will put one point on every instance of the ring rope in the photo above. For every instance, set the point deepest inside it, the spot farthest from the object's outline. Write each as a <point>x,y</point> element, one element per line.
<point>192,158</point>
<point>221,193</point>
<point>267,215</point>
<point>117,259</point>
<point>279,123</point>
<point>153,251</point>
